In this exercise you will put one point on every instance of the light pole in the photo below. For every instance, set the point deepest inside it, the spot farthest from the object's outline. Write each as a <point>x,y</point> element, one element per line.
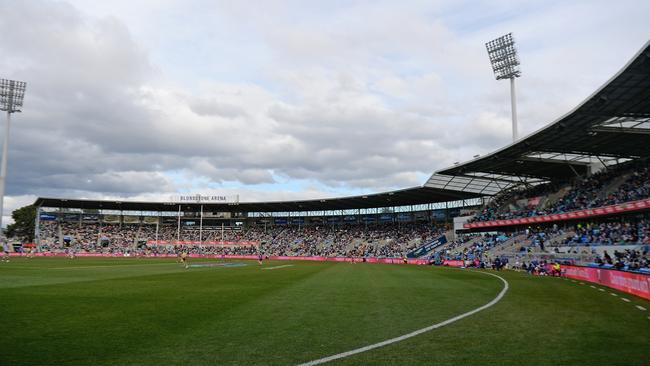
<point>12,93</point>
<point>505,63</point>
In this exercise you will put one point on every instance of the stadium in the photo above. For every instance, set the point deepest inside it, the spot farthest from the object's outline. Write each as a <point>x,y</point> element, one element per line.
<point>537,252</point>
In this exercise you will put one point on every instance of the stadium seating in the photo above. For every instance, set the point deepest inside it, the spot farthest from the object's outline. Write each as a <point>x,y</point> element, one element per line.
<point>380,240</point>
<point>630,182</point>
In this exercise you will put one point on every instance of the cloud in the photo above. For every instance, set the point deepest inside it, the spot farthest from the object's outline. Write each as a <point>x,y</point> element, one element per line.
<point>285,100</point>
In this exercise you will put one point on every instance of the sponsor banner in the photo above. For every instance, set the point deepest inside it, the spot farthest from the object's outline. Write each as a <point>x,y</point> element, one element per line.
<point>315,220</point>
<point>453,263</point>
<point>350,219</point>
<point>74,217</point>
<point>298,220</point>
<point>438,215</point>
<point>113,219</point>
<point>212,242</point>
<point>280,221</point>
<point>90,218</point>
<point>44,216</point>
<point>370,218</point>
<point>634,283</point>
<point>204,198</point>
<point>229,256</point>
<point>352,259</point>
<point>404,217</point>
<point>427,247</point>
<point>217,215</point>
<point>421,215</point>
<point>133,219</point>
<point>150,220</point>
<point>386,217</point>
<point>580,214</point>
<point>165,220</point>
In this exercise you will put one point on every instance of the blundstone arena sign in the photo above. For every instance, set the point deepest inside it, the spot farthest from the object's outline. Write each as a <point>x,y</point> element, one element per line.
<point>205,198</point>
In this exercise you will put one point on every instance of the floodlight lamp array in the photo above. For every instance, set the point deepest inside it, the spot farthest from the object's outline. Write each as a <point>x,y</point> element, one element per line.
<point>503,56</point>
<point>12,93</point>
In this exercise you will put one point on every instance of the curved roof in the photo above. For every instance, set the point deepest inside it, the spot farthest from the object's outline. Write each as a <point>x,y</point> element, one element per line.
<point>610,126</point>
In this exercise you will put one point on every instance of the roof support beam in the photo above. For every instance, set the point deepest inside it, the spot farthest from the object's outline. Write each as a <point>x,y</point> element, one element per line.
<point>622,130</point>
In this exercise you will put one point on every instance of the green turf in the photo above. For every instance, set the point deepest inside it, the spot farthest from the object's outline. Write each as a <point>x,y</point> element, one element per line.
<point>56,311</point>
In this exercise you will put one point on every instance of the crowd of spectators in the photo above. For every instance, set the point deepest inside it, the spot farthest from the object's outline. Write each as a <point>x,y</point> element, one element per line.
<point>587,193</point>
<point>470,247</point>
<point>611,233</point>
<point>380,240</point>
<point>629,259</point>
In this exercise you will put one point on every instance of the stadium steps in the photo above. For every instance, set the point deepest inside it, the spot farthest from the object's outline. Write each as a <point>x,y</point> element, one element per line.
<point>553,198</point>
<point>614,185</point>
<point>556,240</point>
<point>511,245</point>
<point>462,247</point>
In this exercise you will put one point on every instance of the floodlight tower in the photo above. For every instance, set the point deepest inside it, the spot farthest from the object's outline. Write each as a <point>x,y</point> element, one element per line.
<point>505,63</point>
<point>12,93</point>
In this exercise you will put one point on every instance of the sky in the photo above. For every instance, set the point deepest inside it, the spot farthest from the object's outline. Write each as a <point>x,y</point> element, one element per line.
<point>275,100</point>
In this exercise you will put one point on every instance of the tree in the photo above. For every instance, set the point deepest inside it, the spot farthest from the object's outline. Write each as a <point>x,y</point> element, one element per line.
<point>23,226</point>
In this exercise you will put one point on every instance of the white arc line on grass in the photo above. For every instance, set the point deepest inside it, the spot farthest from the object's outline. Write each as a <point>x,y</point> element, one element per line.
<point>624,299</point>
<point>613,294</point>
<point>593,287</point>
<point>417,332</point>
<point>600,289</point>
<point>278,267</point>
<point>641,308</point>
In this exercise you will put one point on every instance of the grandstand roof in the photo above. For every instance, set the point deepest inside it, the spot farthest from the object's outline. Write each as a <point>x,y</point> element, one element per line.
<point>610,126</point>
<point>404,197</point>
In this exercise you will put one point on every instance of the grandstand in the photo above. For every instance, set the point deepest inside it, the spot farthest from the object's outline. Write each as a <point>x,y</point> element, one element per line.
<point>571,191</point>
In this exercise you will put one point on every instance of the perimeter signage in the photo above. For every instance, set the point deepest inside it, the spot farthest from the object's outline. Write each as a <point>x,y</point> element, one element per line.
<point>571,215</point>
<point>428,247</point>
<point>205,198</point>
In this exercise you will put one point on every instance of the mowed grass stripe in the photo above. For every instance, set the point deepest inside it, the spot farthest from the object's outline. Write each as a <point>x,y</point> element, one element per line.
<point>53,271</point>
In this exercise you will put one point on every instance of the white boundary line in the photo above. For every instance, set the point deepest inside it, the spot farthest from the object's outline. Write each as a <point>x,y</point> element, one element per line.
<point>278,267</point>
<point>417,332</point>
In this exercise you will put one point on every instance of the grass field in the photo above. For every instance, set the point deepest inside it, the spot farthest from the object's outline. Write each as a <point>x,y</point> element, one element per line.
<point>56,311</point>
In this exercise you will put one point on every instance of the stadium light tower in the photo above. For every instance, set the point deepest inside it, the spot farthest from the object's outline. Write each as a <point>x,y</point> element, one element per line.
<point>12,93</point>
<point>505,63</point>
